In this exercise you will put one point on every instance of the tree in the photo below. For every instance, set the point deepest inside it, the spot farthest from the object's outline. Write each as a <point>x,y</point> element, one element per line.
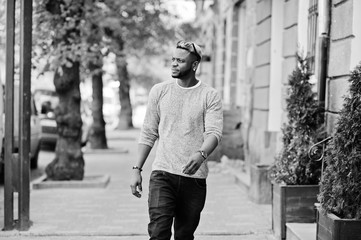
<point>137,28</point>
<point>340,191</point>
<point>94,64</point>
<point>303,129</point>
<point>90,44</point>
<point>64,19</point>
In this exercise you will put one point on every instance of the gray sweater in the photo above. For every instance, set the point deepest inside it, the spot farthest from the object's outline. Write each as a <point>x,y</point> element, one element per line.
<point>181,118</point>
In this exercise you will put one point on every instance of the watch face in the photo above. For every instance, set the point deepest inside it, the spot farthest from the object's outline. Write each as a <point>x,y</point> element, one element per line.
<point>204,154</point>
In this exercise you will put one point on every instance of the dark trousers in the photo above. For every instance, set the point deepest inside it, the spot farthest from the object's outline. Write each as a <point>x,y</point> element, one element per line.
<point>178,198</point>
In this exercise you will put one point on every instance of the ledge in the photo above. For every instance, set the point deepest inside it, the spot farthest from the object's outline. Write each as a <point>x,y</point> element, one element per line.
<point>87,150</point>
<point>92,181</point>
<point>301,231</point>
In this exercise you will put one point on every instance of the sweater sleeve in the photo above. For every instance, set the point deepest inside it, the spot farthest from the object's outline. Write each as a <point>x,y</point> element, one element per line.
<point>149,133</point>
<point>214,116</point>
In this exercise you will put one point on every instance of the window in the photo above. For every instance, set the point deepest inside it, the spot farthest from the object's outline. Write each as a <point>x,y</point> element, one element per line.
<point>312,33</point>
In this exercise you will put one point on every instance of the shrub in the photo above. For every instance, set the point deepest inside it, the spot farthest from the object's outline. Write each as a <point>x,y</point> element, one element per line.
<point>304,127</point>
<point>340,191</point>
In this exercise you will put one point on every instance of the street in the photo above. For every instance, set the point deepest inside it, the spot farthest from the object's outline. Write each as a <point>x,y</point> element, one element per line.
<point>114,213</point>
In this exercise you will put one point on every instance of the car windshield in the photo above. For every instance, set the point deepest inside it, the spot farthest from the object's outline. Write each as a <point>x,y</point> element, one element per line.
<point>46,100</point>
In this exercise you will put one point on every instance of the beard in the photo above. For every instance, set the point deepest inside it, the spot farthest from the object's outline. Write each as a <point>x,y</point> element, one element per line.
<point>181,74</point>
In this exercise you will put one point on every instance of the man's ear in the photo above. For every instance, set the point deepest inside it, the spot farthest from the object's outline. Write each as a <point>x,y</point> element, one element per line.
<point>195,65</point>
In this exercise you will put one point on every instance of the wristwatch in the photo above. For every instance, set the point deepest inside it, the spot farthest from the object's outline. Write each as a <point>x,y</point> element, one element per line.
<point>204,154</point>
<point>136,167</point>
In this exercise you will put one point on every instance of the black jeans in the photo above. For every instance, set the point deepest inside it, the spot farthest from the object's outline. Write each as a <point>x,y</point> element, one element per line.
<point>178,198</point>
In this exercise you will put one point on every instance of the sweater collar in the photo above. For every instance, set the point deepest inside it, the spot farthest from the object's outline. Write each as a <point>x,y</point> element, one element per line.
<point>195,86</point>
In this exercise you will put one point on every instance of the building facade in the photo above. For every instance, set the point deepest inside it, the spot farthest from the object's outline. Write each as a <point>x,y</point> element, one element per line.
<point>251,48</point>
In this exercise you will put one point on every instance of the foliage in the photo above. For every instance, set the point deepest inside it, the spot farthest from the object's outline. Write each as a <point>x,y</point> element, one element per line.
<point>303,129</point>
<point>58,27</point>
<point>16,36</point>
<point>3,23</point>
<point>135,27</point>
<point>341,184</point>
<point>188,31</point>
<point>2,39</point>
<point>2,26</point>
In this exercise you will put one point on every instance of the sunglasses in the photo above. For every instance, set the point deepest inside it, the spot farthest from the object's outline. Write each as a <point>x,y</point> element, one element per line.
<point>189,46</point>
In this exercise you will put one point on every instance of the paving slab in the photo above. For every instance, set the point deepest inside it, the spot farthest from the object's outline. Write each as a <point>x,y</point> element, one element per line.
<point>114,213</point>
<point>95,181</point>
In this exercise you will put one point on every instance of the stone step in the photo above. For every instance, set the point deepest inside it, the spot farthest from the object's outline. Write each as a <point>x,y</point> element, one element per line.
<point>301,231</point>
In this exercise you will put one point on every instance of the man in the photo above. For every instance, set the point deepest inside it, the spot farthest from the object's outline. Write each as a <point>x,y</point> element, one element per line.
<point>185,116</point>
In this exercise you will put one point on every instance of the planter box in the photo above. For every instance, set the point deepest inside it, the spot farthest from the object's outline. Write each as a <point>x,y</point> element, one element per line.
<point>260,190</point>
<point>292,204</point>
<point>331,227</point>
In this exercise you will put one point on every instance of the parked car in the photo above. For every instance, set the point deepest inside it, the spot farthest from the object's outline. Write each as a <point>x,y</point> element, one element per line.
<point>35,130</point>
<point>47,100</point>
<point>35,136</point>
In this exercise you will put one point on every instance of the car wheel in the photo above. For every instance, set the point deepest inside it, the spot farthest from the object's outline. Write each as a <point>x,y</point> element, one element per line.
<point>34,159</point>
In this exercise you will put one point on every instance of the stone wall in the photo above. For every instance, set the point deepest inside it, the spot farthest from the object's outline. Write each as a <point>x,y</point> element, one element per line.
<point>344,54</point>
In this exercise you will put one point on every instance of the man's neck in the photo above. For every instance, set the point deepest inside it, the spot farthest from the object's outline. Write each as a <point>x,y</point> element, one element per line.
<point>188,82</point>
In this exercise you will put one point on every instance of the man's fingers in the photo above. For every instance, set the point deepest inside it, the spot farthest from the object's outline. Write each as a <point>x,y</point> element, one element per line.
<point>191,171</point>
<point>137,194</point>
<point>194,168</point>
<point>134,190</point>
<point>190,168</point>
<point>187,169</point>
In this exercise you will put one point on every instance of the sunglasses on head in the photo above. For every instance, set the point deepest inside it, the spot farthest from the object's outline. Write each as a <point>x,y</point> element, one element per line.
<point>189,46</point>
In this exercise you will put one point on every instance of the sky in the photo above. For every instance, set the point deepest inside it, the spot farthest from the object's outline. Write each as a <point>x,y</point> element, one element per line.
<point>184,8</point>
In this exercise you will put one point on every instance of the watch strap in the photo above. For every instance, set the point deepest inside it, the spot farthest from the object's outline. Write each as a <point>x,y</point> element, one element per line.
<point>136,167</point>
<point>203,153</point>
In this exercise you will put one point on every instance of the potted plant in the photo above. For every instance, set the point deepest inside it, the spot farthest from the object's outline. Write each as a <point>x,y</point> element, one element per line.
<point>294,175</point>
<point>339,214</point>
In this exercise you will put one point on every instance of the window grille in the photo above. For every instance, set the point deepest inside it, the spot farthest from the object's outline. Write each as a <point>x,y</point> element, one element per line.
<point>312,33</point>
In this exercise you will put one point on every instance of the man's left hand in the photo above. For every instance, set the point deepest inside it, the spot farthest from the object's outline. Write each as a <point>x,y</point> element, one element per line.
<point>194,162</point>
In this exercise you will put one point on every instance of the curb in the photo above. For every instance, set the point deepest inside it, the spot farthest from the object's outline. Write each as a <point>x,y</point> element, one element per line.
<point>15,233</point>
<point>241,177</point>
<point>91,181</point>
<point>105,151</point>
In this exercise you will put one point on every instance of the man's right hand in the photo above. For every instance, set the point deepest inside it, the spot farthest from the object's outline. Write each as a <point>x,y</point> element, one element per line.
<point>136,183</point>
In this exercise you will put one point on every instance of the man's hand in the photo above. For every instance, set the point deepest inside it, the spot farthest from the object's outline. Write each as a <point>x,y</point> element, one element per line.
<point>194,162</point>
<point>136,184</point>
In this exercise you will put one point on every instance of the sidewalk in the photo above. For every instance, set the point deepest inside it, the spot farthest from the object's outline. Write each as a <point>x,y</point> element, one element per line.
<point>114,213</point>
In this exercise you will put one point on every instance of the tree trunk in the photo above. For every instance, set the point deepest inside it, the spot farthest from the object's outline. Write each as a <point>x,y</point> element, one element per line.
<point>97,136</point>
<point>126,114</point>
<point>94,35</point>
<point>68,163</point>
